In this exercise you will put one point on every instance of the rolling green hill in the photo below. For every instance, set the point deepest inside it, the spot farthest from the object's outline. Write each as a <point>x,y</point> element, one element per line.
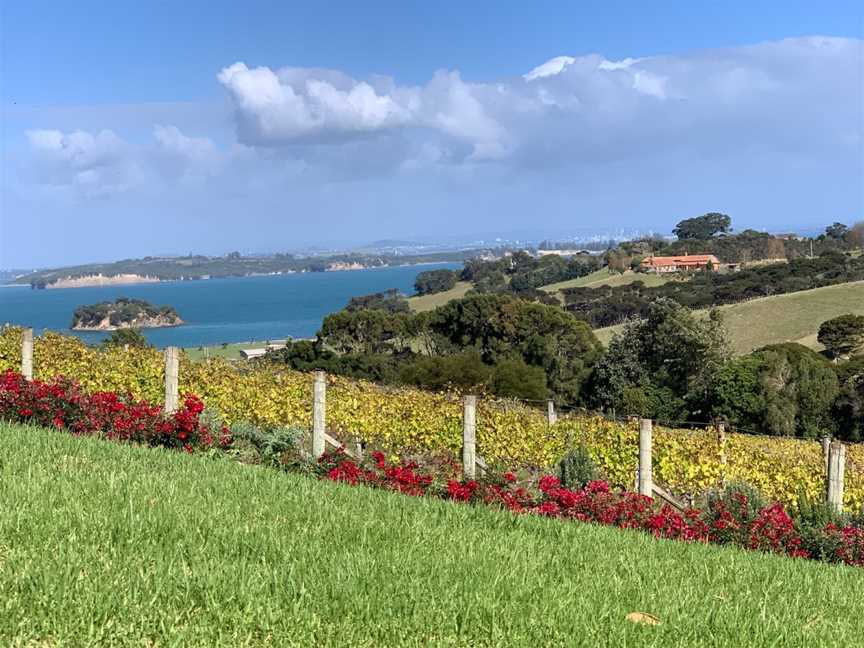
<point>794,317</point>
<point>105,544</point>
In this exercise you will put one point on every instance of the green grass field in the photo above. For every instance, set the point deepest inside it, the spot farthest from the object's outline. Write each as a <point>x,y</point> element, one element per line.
<point>102,544</point>
<point>794,317</point>
<point>603,277</point>
<point>428,302</point>
<point>229,351</point>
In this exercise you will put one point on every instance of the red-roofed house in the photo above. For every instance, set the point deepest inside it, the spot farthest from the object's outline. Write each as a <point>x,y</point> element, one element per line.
<point>663,264</point>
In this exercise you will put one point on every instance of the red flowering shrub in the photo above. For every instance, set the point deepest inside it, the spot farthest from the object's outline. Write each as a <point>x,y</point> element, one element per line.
<point>61,404</point>
<point>850,543</point>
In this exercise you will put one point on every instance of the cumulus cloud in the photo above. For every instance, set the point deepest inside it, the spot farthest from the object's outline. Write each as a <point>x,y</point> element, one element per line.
<point>100,164</point>
<point>95,164</point>
<point>799,96</point>
<point>570,109</point>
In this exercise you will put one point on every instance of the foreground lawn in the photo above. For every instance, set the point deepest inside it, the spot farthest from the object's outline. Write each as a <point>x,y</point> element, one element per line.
<point>102,544</point>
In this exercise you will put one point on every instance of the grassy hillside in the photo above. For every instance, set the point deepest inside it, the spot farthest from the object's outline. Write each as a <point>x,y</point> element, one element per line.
<point>603,277</point>
<point>794,317</point>
<point>597,278</point>
<point>114,545</point>
<point>428,302</point>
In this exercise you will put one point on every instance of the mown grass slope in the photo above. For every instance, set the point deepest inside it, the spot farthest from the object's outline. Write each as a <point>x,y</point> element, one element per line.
<point>794,317</point>
<point>102,544</point>
<point>603,277</point>
<point>429,302</point>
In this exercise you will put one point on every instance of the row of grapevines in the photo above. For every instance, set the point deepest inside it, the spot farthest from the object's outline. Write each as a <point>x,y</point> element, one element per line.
<point>401,418</point>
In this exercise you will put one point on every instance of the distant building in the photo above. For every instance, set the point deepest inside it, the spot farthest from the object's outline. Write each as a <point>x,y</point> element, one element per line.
<point>562,253</point>
<point>684,263</point>
<point>790,237</point>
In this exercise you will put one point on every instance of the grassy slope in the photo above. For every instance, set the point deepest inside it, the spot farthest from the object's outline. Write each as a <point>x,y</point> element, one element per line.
<point>428,302</point>
<point>603,277</point>
<point>600,277</point>
<point>112,545</point>
<point>230,351</point>
<point>794,317</point>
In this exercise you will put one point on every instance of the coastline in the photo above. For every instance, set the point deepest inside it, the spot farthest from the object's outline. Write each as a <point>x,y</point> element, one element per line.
<point>91,281</point>
<point>104,329</point>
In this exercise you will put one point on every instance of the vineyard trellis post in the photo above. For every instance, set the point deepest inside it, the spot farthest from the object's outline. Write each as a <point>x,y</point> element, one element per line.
<point>27,353</point>
<point>319,413</point>
<point>172,379</point>
<point>721,441</point>
<point>551,416</point>
<point>826,447</point>
<point>836,470</point>
<point>469,439</point>
<point>646,480</point>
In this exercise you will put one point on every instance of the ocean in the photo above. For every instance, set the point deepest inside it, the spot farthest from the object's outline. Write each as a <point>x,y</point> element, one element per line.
<point>237,309</point>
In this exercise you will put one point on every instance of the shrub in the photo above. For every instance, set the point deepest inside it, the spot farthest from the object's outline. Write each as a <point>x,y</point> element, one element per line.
<point>814,521</point>
<point>275,447</point>
<point>731,512</point>
<point>62,404</point>
<point>577,469</point>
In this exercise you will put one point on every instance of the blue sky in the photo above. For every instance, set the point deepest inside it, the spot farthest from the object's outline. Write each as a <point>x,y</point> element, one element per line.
<point>134,128</point>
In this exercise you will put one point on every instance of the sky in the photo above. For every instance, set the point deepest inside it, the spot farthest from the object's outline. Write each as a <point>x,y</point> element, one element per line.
<point>142,128</point>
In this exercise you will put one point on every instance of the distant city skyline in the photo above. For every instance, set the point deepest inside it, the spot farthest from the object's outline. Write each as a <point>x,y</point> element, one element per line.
<point>131,129</point>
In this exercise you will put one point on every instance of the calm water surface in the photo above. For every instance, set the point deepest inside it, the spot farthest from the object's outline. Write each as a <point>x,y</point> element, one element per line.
<point>216,310</point>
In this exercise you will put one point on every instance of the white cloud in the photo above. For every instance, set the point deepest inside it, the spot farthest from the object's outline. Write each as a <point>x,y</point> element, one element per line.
<point>570,109</point>
<point>550,68</point>
<point>100,164</point>
<point>295,125</point>
<point>292,104</point>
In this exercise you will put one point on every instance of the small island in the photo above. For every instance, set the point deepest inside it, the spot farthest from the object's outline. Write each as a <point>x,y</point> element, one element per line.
<point>123,313</point>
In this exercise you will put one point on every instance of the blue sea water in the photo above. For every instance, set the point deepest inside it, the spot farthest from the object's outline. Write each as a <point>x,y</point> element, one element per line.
<point>216,310</point>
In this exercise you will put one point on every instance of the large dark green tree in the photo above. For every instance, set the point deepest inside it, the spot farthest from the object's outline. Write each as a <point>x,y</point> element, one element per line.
<point>842,335</point>
<point>435,281</point>
<point>703,227</point>
<point>502,327</point>
<point>663,365</point>
<point>782,389</point>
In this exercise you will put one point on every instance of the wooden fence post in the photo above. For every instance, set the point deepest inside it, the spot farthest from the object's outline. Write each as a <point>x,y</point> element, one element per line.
<point>551,416</point>
<point>319,413</point>
<point>836,470</point>
<point>826,446</point>
<point>27,353</point>
<point>721,441</point>
<point>172,379</point>
<point>646,481</point>
<point>469,443</point>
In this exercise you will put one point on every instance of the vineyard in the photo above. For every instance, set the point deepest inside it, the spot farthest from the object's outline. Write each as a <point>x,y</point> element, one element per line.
<point>508,433</point>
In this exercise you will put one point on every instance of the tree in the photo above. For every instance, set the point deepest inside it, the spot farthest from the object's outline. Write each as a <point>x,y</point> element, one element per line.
<point>836,231</point>
<point>367,331</point>
<point>391,301</point>
<point>513,378</point>
<point>666,362</point>
<point>782,389</point>
<point>703,227</point>
<point>502,327</point>
<point>126,336</point>
<point>842,335</point>
<point>435,281</point>
<point>849,406</point>
<point>855,237</point>
<point>461,371</point>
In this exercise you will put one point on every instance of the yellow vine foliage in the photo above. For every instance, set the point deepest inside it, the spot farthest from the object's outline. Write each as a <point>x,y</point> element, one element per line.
<point>508,433</point>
